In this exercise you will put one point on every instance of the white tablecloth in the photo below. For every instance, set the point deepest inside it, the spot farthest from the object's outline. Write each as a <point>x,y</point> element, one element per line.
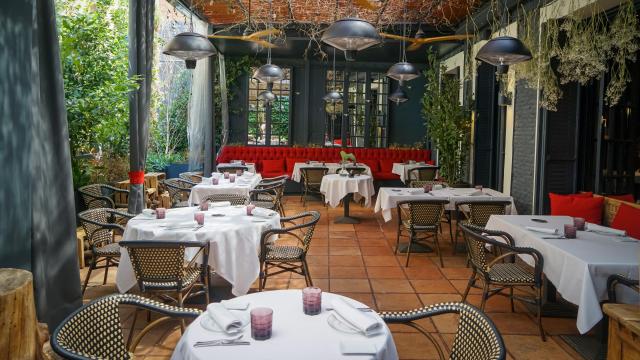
<point>234,239</point>
<point>389,197</point>
<point>296,336</point>
<point>332,167</point>
<point>336,187</point>
<point>251,167</point>
<point>577,267</point>
<point>403,169</point>
<point>243,185</point>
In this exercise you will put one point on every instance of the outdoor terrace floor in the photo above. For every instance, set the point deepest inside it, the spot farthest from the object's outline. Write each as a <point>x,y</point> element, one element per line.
<point>358,261</point>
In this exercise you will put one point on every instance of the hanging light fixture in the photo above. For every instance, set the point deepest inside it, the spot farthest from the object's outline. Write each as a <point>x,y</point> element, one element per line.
<point>503,51</point>
<point>402,70</point>
<point>189,46</point>
<point>267,96</point>
<point>351,35</point>
<point>333,96</point>
<point>268,72</point>
<point>399,96</point>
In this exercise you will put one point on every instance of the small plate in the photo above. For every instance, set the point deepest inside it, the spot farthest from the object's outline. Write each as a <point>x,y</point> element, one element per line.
<point>208,323</point>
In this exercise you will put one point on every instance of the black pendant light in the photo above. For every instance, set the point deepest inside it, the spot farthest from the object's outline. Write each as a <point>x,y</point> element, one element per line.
<point>268,72</point>
<point>350,35</point>
<point>190,47</point>
<point>403,71</point>
<point>503,51</point>
<point>267,96</point>
<point>333,96</point>
<point>398,96</point>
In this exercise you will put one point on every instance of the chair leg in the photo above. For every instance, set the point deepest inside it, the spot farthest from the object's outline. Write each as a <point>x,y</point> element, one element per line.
<point>455,240</point>
<point>539,315</point>
<point>307,274</point>
<point>485,294</point>
<point>511,298</point>
<point>180,304</point>
<point>91,267</point>
<point>398,238</point>
<point>450,228</point>
<point>411,235</point>
<point>207,295</point>
<point>133,326</point>
<point>438,249</point>
<point>106,271</point>
<point>472,281</point>
<point>262,277</point>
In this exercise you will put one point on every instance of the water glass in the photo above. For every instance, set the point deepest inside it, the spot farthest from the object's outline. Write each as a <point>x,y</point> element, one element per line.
<point>232,178</point>
<point>204,206</point>
<point>214,181</point>
<point>479,187</point>
<point>239,172</point>
<point>261,323</point>
<point>579,223</point>
<point>199,217</point>
<point>160,213</point>
<point>428,188</point>
<point>570,231</point>
<point>311,300</point>
<point>226,174</point>
<point>250,208</point>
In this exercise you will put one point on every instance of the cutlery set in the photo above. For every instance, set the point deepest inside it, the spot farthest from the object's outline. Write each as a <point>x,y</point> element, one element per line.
<point>222,342</point>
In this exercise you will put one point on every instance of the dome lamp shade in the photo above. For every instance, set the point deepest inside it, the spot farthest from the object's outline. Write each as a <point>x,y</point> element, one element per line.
<point>333,97</point>
<point>351,34</point>
<point>403,71</point>
<point>269,73</point>
<point>398,96</point>
<point>504,50</point>
<point>190,47</point>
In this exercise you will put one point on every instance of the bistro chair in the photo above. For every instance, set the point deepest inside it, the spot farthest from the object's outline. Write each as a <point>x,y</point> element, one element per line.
<point>422,173</point>
<point>283,178</point>
<point>231,168</point>
<point>288,258</point>
<point>266,196</point>
<point>278,186</point>
<point>477,213</point>
<point>100,226</point>
<point>94,331</point>
<point>476,338</point>
<point>179,191</point>
<point>422,183</point>
<point>616,279</point>
<point>191,176</point>
<point>503,271</point>
<point>234,199</point>
<point>102,196</point>
<point>420,217</point>
<point>311,180</point>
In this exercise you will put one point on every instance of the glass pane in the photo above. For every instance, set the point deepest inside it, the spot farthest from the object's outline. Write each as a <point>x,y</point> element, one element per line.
<point>259,123</point>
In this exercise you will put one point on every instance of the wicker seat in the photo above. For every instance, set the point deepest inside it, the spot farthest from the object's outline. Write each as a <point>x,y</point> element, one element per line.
<point>477,213</point>
<point>179,191</point>
<point>94,331</point>
<point>422,173</point>
<point>476,338</point>
<point>100,226</point>
<point>420,217</point>
<point>503,272</point>
<point>311,180</point>
<point>101,196</point>
<point>191,176</point>
<point>288,258</point>
<point>617,279</point>
<point>232,198</point>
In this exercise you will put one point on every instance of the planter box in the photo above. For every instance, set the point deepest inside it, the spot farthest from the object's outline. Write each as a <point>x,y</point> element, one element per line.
<point>173,170</point>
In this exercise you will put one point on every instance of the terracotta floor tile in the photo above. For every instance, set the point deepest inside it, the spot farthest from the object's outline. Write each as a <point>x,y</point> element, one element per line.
<point>318,260</point>
<point>369,235</point>
<point>495,303</point>
<point>380,260</point>
<point>319,271</point>
<point>373,242</point>
<point>533,348</point>
<point>301,284</point>
<point>432,299</point>
<point>514,323</point>
<point>397,301</point>
<point>342,234</point>
<point>559,326</point>
<point>376,251</point>
<point>423,273</point>
<point>343,242</point>
<point>347,272</point>
<point>345,260</point>
<point>461,285</point>
<point>415,346</point>
<point>433,286</point>
<point>446,323</point>
<point>385,272</point>
<point>318,250</point>
<point>350,285</point>
<point>344,250</point>
<point>391,286</point>
<point>452,273</point>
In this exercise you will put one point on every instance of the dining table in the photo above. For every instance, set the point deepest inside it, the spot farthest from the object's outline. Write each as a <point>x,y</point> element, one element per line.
<point>241,186</point>
<point>578,268</point>
<point>251,167</point>
<point>331,167</point>
<point>234,239</point>
<point>336,187</point>
<point>403,169</point>
<point>295,335</point>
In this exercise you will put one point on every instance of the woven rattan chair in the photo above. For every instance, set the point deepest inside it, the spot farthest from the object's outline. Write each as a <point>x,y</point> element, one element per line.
<point>231,168</point>
<point>179,191</point>
<point>234,199</point>
<point>100,225</point>
<point>275,186</point>
<point>288,258</point>
<point>94,331</point>
<point>447,218</point>
<point>191,176</point>
<point>477,213</point>
<point>273,179</point>
<point>503,271</point>
<point>617,279</point>
<point>101,196</point>
<point>421,184</point>
<point>476,338</point>
<point>266,197</point>
<point>420,217</point>
<point>311,180</point>
<point>422,173</point>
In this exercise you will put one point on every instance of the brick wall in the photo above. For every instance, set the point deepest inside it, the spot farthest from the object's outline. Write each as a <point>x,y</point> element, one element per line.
<point>524,129</point>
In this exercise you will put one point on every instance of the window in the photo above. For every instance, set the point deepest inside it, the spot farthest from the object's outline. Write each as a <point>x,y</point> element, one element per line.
<point>365,99</point>
<point>269,124</point>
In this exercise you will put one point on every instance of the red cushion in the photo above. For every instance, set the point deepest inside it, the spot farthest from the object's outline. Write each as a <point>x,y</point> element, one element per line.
<point>627,219</point>
<point>387,165</point>
<point>273,166</point>
<point>625,197</point>
<point>589,208</point>
<point>291,162</point>
<point>381,175</point>
<point>372,164</point>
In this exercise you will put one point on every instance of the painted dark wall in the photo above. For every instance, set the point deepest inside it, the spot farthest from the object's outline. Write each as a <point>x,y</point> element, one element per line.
<point>524,147</point>
<point>307,107</point>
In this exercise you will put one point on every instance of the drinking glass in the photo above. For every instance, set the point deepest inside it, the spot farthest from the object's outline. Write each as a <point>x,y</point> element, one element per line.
<point>239,172</point>
<point>199,217</point>
<point>226,174</point>
<point>250,208</point>
<point>161,213</point>
<point>232,178</point>
<point>261,323</point>
<point>311,300</point>
<point>204,206</point>
<point>479,187</point>
<point>214,181</point>
<point>579,223</point>
<point>569,231</point>
<point>428,188</point>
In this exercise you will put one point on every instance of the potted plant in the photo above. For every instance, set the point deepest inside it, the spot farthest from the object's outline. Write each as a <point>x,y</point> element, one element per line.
<point>448,123</point>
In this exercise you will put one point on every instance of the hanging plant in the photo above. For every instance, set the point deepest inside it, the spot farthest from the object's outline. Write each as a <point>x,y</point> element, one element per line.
<point>623,35</point>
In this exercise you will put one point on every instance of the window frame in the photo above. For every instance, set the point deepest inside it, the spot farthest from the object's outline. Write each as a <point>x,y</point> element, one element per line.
<point>268,110</point>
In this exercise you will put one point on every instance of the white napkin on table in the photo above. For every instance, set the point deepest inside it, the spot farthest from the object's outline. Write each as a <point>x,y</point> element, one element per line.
<point>220,204</point>
<point>416,191</point>
<point>476,193</point>
<point>181,224</point>
<point>368,325</point>
<point>262,212</point>
<point>248,174</point>
<point>235,304</point>
<point>542,230</point>
<point>223,317</point>
<point>357,347</point>
<point>605,230</point>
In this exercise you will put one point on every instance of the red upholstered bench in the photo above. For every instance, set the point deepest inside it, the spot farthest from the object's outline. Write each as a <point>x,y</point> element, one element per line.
<point>277,160</point>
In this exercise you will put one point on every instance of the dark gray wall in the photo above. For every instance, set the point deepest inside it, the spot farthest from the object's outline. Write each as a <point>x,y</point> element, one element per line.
<point>407,123</point>
<point>524,130</point>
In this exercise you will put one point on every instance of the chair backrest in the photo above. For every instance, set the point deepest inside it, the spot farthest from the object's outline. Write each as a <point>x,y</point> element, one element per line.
<point>481,211</point>
<point>423,173</point>
<point>302,229</point>
<point>94,223</point>
<point>191,176</point>
<point>94,197</point>
<point>617,279</point>
<point>234,199</point>
<point>420,183</point>
<point>275,178</point>
<point>313,175</point>
<point>425,212</point>
<point>477,337</point>
<point>177,188</point>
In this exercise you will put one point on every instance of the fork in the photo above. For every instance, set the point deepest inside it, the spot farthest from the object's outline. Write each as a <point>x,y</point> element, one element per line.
<point>219,341</point>
<point>363,309</point>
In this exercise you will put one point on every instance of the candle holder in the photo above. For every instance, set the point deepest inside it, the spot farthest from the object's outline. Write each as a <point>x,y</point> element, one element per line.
<point>199,217</point>
<point>226,174</point>
<point>250,208</point>
<point>479,187</point>
<point>232,178</point>
<point>570,231</point>
<point>204,206</point>
<point>312,300</point>
<point>161,213</point>
<point>579,223</point>
<point>261,323</point>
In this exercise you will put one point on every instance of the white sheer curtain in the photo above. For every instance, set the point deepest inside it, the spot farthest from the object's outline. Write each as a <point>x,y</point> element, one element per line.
<point>200,105</point>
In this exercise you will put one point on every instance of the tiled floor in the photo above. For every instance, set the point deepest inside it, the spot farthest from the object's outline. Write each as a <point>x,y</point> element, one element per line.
<point>358,261</point>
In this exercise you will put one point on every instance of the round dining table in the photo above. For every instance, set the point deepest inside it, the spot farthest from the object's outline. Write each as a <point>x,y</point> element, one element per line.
<point>295,336</point>
<point>336,187</point>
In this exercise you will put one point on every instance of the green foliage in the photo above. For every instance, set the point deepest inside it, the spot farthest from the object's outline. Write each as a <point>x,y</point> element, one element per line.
<point>448,123</point>
<point>159,161</point>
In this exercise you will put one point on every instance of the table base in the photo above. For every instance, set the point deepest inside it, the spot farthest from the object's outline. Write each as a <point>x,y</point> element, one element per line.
<point>346,218</point>
<point>415,248</point>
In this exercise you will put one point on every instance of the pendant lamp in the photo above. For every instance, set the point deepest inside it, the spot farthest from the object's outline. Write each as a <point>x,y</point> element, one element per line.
<point>398,96</point>
<point>190,47</point>
<point>351,35</point>
<point>268,72</point>
<point>504,51</point>
<point>267,96</point>
<point>333,96</point>
<point>403,71</point>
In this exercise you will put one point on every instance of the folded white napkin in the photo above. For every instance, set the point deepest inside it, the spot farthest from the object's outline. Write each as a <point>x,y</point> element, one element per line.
<point>357,347</point>
<point>605,230</point>
<point>368,325</point>
<point>416,191</point>
<point>220,203</point>
<point>542,230</point>
<point>223,317</point>
<point>248,174</point>
<point>148,213</point>
<point>181,224</point>
<point>262,212</point>
<point>235,304</point>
